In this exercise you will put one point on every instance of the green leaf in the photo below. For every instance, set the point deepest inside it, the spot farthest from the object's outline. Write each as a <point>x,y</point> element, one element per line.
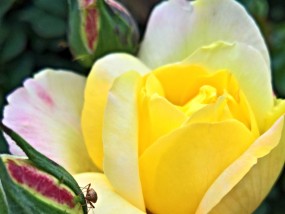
<point>263,209</point>
<point>19,69</point>
<point>45,164</point>
<point>3,144</point>
<point>44,24</point>
<point>3,200</point>
<point>3,33</point>
<point>38,44</point>
<point>279,81</point>
<point>57,61</point>
<point>5,5</point>
<point>15,44</point>
<point>54,7</point>
<point>257,8</point>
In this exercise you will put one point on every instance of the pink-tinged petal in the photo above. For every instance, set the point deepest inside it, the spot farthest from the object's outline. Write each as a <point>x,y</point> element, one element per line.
<point>46,112</point>
<point>109,202</point>
<point>177,28</point>
<point>120,138</point>
<point>245,183</point>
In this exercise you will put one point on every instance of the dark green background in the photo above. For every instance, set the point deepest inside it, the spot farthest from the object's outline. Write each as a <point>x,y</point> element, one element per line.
<point>33,35</point>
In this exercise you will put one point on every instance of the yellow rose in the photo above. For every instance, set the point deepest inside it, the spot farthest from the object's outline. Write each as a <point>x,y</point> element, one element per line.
<point>190,126</point>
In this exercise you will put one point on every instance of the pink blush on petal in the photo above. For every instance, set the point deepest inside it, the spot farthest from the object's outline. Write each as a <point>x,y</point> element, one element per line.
<point>46,113</point>
<point>42,94</point>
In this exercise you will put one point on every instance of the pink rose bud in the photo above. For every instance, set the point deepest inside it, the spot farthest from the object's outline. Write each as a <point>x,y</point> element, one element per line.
<point>97,28</point>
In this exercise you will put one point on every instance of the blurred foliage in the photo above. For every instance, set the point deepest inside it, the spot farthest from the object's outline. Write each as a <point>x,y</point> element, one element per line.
<point>33,36</point>
<point>270,16</point>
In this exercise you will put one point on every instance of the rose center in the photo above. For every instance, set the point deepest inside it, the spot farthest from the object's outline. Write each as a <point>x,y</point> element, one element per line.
<point>206,95</point>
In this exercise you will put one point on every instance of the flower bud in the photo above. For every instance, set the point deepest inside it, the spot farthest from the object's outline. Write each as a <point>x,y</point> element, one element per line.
<point>97,28</point>
<point>36,183</point>
<point>24,183</point>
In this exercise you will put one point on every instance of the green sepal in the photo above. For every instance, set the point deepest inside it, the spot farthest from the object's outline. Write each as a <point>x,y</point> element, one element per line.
<point>3,200</point>
<point>43,163</point>
<point>76,42</point>
<point>116,31</point>
<point>119,31</point>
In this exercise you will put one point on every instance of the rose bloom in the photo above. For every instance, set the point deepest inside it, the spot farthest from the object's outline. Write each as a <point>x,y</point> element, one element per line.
<point>190,126</point>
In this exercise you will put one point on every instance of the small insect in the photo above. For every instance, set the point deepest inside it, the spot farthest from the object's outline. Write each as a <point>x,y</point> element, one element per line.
<point>90,196</point>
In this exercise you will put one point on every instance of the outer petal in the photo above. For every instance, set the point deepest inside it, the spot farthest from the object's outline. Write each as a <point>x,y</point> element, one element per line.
<point>168,39</point>
<point>249,69</point>
<point>179,168</point>
<point>109,202</point>
<point>120,138</point>
<point>46,112</point>
<point>245,183</point>
<point>98,85</point>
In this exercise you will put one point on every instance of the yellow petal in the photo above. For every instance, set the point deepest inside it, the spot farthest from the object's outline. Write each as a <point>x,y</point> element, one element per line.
<point>224,109</point>
<point>179,81</point>
<point>98,84</point>
<point>245,183</point>
<point>212,113</point>
<point>46,112</point>
<point>120,138</point>
<point>164,117</point>
<point>109,202</point>
<point>253,75</point>
<point>178,169</point>
<point>177,28</point>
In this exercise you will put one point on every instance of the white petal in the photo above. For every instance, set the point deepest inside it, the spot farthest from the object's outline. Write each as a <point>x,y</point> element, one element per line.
<point>46,112</point>
<point>120,139</point>
<point>177,28</point>
<point>109,202</point>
